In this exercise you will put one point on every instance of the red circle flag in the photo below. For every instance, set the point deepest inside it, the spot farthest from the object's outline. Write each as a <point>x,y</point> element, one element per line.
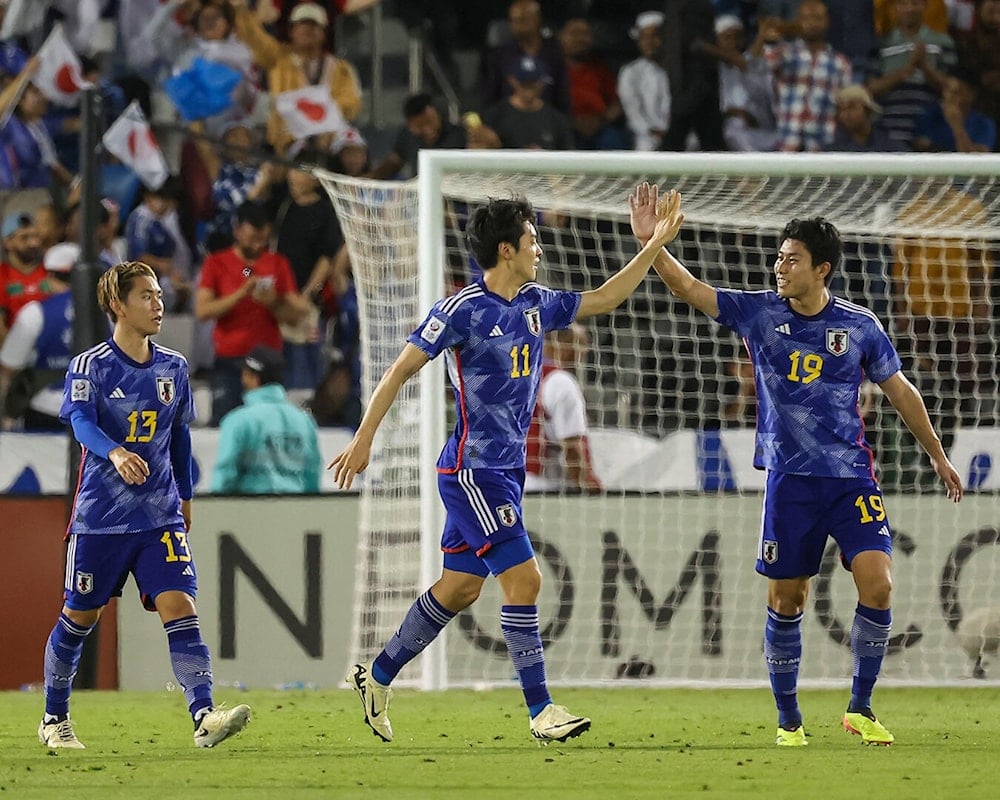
<point>66,80</point>
<point>310,110</point>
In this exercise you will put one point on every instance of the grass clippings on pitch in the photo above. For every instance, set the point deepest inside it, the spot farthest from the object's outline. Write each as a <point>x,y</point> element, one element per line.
<point>645,743</point>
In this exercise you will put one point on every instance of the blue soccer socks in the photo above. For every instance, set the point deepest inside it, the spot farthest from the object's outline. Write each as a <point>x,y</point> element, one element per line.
<point>62,656</point>
<point>783,652</point>
<point>869,642</point>
<point>423,622</point>
<point>191,662</point>
<point>524,644</point>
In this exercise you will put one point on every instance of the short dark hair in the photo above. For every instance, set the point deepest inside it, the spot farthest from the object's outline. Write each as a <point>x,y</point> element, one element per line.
<point>821,238</point>
<point>500,220</point>
<point>253,214</point>
<point>416,104</point>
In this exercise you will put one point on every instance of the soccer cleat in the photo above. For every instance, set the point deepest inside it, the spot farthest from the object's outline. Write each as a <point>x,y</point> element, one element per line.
<point>59,734</point>
<point>868,728</point>
<point>374,697</point>
<point>555,724</point>
<point>221,723</point>
<point>794,738</point>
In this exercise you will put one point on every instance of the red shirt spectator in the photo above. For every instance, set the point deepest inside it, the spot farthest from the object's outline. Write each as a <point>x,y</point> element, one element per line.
<point>22,276</point>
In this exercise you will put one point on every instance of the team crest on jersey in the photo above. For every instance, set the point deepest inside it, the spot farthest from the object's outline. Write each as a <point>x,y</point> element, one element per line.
<point>838,340</point>
<point>534,319</point>
<point>84,582</point>
<point>770,551</point>
<point>80,391</point>
<point>165,390</point>
<point>507,514</point>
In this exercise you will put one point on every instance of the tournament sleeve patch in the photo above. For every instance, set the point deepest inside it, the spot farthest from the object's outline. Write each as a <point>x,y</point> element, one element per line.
<point>80,391</point>
<point>432,330</point>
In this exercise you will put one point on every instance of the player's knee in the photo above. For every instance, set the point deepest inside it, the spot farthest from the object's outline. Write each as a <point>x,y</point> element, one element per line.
<point>876,592</point>
<point>85,619</point>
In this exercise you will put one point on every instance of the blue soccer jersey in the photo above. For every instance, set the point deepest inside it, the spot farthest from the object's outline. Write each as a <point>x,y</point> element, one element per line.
<point>494,353</point>
<point>807,372</point>
<point>137,406</point>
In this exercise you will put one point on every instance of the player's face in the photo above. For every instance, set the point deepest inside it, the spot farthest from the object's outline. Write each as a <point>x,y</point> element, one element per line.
<point>794,271</point>
<point>529,253</point>
<point>142,309</point>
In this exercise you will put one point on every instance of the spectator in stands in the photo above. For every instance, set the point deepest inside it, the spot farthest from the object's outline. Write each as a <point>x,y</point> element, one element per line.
<point>528,39</point>
<point>300,63</point>
<point>349,154</point>
<point>910,70</point>
<point>952,125</point>
<point>808,73</point>
<point>49,225</point>
<point>643,85</point>
<point>746,92</point>
<point>36,351</point>
<point>426,127</point>
<point>248,290</point>
<point>941,287</point>
<point>694,76</point>
<point>524,120</point>
<point>857,130</point>
<point>27,153</point>
<point>307,233</point>
<point>337,400</point>
<point>22,276</point>
<point>596,112</point>
<point>979,55</point>
<point>267,445</point>
<point>149,240</point>
<point>110,249</point>
<point>934,15</point>
<point>558,456</point>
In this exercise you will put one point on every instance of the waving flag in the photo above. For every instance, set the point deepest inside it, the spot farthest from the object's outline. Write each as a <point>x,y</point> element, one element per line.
<point>310,111</point>
<point>24,17</point>
<point>59,76</point>
<point>203,90</point>
<point>131,141</point>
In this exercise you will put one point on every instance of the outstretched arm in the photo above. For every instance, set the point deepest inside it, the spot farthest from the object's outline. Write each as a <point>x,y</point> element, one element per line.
<point>610,294</point>
<point>684,285</point>
<point>354,458</point>
<point>907,401</point>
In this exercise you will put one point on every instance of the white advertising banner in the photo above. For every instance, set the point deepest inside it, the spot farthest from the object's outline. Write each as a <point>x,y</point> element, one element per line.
<point>660,583</point>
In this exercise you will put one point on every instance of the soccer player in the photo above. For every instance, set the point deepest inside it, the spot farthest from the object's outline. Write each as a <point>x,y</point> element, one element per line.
<point>491,333</point>
<point>129,402</point>
<point>810,352</point>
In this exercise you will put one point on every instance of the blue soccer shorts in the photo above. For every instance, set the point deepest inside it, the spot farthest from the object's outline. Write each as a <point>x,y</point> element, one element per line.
<point>97,566</point>
<point>483,509</point>
<point>801,511</point>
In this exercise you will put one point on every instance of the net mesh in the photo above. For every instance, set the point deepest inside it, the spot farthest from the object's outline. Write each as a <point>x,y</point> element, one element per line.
<point>653,577</point>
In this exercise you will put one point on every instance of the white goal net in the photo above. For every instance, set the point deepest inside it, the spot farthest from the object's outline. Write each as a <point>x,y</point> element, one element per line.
<point>652,578</point>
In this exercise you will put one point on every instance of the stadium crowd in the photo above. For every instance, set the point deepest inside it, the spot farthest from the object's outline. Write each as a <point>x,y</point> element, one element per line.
<point>243,93</point>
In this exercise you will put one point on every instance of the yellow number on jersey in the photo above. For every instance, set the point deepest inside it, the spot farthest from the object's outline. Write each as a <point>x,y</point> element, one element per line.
<point>811,367</point>
<point>148,425</point>
<point>181,552</point>
<point>524,353</point>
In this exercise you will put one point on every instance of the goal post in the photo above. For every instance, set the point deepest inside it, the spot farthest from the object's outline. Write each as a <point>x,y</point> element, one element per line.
<point>653,577</point>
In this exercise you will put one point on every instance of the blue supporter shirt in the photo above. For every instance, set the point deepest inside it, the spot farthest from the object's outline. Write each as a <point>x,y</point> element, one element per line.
<point>494,354</point>
<point>807,372</point>
<point>138,406</point>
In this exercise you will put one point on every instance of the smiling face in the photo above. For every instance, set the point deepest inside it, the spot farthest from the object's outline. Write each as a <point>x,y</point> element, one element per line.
<point>141,310</point>
<point>797,277</point>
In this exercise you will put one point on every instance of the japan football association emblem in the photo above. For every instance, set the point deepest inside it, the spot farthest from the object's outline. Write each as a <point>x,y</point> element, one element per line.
<point>534,319</point>
<point>769,551</point>
<point>507,514</point>
<point>165,390</point>
<point>84,582</point>
<point>838,340</point>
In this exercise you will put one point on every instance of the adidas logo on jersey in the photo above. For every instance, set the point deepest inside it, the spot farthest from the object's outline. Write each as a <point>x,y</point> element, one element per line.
<point>117,394</point>
<point>496,331</point>
<point>188,571</point>
<point>784,328</point>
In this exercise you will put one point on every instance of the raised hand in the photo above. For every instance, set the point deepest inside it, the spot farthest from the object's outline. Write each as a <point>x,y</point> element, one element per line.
<point>642,210</point>
<point>668,219</point>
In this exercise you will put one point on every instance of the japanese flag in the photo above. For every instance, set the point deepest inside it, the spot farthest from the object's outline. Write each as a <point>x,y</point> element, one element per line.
<point>24,17</point>
<point>310,111</point>
<point>131,141</point>
<point>58,76</point>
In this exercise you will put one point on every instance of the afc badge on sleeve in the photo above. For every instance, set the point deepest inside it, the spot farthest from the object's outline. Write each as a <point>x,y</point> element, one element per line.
<point>432,330</point>
<point>80,390</point>
<point>165,390</point>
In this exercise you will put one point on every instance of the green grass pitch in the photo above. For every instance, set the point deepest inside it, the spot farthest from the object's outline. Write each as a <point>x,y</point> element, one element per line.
<point>645,743</point>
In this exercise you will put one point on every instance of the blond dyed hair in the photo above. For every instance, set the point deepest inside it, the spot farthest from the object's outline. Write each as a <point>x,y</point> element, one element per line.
<point>115,284</point>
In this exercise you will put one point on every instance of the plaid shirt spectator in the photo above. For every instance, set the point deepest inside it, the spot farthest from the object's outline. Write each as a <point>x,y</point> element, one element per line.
<point>807,84</point>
